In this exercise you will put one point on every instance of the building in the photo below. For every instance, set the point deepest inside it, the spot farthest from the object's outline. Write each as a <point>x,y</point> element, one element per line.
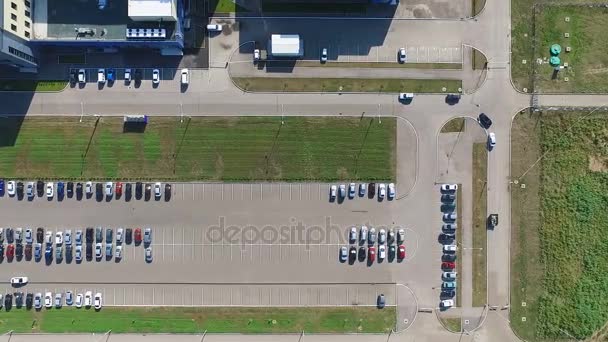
<point>97,25</point>
<point>286,45</point>
<point>15,33</point>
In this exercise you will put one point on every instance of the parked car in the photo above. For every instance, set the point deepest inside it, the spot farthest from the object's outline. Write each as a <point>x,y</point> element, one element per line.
<point>109,187</point>
<point>98,301</point>
<point>155,76</point>
<point>111,75</point>
<point>88,188</point>
<point>128,236</point>
<point>492,221</point>
<point>109,233</point>
<point>372,190</point>
<point>381,190</point>
<point>323,55</point>
<point>118,254</point>
<point>449,187</point>
<point>58,300</point>
<point>138,190</point>
<point>382,236</point>
<point>446,237</point>
<point>49,190</point>
<point>137,234</point>
<point>38,301</point>
<point>448,265</point>
<point>381,252</point>
<point>167,191</point>
<point>448,285</point>
<point>127,76</point>
<point>484,120</point>
<point>256,55</point>
<point>59,238</point>
<point>362,189</point>
<point>147,191</point>
<point>101,76</point>
<point>214,28</point>
<point>491,140</point>
<point>108,250</point>
<point>343,253</point>
<point>30,189</point>
<point>342,190</point>
<point>447,303</point>
<point>452,99</point>
<point>406,97</point>
<point>11,188</point>
<point>82,76</point>
<point>363,234</point>
<point>449,227</point>
<point>401,55</point>
<point>450,248</point>
<point>371,237</point>
<point>371,254</point>
<point>351,190</point>
<point>69,298</point>
<point>391,190</point>
<point>118,189</point>
<point>157,190</point>
<point>19,281</point>
<point>79,300</point>
<point>88,299</point>
<point>449,275</point>
<point>98,234</point>
<point>148,236</point>
<point>332,192</point>
<point>381,301</point>
<point>78,255</point>
<point>400,235</point>
<point>148,253</point>
<point>449,217</point>
<point>98,250</point>
<point>48,300</point>
<point>1,193</point>
<point>185,76</point>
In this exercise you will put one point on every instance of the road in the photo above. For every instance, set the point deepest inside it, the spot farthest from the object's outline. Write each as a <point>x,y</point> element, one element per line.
<point>211,93</point>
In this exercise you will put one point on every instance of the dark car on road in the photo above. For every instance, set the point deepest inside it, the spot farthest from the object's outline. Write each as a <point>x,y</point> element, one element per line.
<point>129,236</point>
<point>371,191</point>
<point>29,300</point>
<point>167,192</point>
<point>8,301</point>
<point>138,190</point>
<point>492,221</point>
<point>128,191</point>
<point>78,189</point>
<point>60,188</point>
<point>70,190</point>
<point>89,251</point>
<point>452,99</point>
<point>99,190</point>
<point>484,120</point>
<point>40,188</point>
<point>89,235</point>
<point>39,234</point>
<point>19,250</point>
<point>148,191</point>
<point>19,189</point>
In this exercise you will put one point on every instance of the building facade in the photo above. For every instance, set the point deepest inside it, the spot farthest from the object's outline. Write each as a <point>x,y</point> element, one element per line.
<point>16,29</point>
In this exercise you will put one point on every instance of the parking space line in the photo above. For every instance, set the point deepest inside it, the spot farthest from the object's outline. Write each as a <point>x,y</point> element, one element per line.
<point>163,246</point>
<point>261,192</point>
<point>222,191</point>
<point>193,193</point>
<point>114,297</point>
<point>192,249</point>
<point>251,192</point>
<point>153,293</point>
<point>232,193</point>
<point>183,235</point>
<point>173,243</point>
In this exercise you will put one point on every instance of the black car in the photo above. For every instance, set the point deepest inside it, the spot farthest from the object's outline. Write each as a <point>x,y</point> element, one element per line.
<point>492,221</point>
<point>9,235</point>
<point>138,190</point>
<point>128,190</point>
<point>381,301</point>
<point>371,190</point>
<point>18,299</point>
<point>448,294</point>
<point>40,188</point>
<point>29,300</point>
<point>362,253</point>
<point>129,236</point>
<point>446,237</point>
<point>448,198</point>
<point>79,189</point>
<point>20,189</point>
<point>8,301</point>
<point>70,189</point>
<point>452,98</point>
<point>484,120</point>
<point>89,235</point>
<point>1,252</point>
<point>448,257</point>
<point>137,75</point>
<point>99,190</point>
<point>40,235</point>
<point>167,191</point>
<point>89,251</point>
<point>148,191</point>
<point>73,77</point>
<point>19,250</point>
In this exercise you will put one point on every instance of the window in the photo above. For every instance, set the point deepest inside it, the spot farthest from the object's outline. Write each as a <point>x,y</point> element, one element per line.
<point>14,27</point>
<point>27,4</point>
<point>27,13</point>
<point>13,5</point>
<point>22,54</point>
<point>13,16</point>
<point>27,34</point>
<point>27,24</point>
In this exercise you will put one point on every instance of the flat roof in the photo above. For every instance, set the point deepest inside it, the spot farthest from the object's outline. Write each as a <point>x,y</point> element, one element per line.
<point>285,44</point>
<point>150,8</point>
<point>64,17</point>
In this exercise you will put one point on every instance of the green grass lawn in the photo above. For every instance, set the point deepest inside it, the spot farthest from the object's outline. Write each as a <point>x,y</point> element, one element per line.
<point>31,85</point>
<point>453,126</point>
<point>454,324</point>
<point>224,6</point>
<point>523,42</point>
<point>480,201</point>
<point>385,65</point>
<point>201,148</point>
<point>559,258</point>
<point>198,320</point>
<point>346,85</point>
<point>335,8</point>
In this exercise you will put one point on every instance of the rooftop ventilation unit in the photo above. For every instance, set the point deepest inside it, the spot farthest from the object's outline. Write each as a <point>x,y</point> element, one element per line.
<point>146,33</point>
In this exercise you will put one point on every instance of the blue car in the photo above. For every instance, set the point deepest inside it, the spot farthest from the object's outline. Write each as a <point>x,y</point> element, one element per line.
<point>38,251</point>
<point>48,254</point>
<point>111,75</point>
<point>60,187</point>
<point>1,187</point>
<point>447,285</point>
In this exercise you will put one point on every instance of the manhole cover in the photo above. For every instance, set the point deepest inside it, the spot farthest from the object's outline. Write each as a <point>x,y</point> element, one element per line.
<point>523,319</point>
<point>523,303</point>
<point>406,321</point>
<point>466,321</point>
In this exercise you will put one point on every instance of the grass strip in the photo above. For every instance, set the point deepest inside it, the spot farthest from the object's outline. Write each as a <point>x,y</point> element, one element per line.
<point>225,6</point>
<point>480,200</point>
<point>453,126</point>
<point>31,85</point>
<point>198,320</point>
<point>335,85</point>
<point>200,148</point>
<point>385,65</point>
<point>454,324</point>
<point>335,8</point>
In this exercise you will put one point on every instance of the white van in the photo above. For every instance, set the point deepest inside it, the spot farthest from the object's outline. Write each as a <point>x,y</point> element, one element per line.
<point>406,96</point>
<point>185,76</point>
<point>214,27</point>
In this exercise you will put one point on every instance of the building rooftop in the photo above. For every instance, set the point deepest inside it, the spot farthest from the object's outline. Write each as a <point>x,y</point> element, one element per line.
<point>65,17</point>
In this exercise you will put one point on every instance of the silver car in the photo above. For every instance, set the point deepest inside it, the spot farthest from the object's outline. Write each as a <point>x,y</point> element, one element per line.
<point>343,253</point>
<point>148,253</point>
<point>147,236</point>
<point>371,239</point>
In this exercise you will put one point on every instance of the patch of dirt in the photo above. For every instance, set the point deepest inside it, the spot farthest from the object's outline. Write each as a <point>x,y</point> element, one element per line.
<point>596,71</point>
<point>422,11</point>
<point>598,164</point>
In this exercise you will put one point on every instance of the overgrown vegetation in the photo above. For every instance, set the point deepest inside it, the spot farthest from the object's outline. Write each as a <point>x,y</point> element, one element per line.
<point>31,85</point>
<point>480,201</point>
<point>334,85</point>
<point>198,320</point>
<point>559,289</point>
<point>205,148</point>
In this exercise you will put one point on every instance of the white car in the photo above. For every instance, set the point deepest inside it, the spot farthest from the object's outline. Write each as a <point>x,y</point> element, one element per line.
<point>19,234</point>
<point>11,188</point>
<point>185,79</point>
<point>382,236</point>
<point>391,190</point>
<point>402,55</point>
<point>214,27</point>
<point>449,217</point>
<point>148,254</point>
<point>98,301</point>
<point>363,235</point>
<point>118,254</point>
<point>78,254</point>
<point>78,238</point>
<point>371,237</point>
<point>78,301</point>
<point>382,252</point>
<point>449,248</point>
<point>343,253</point>
<point>332,192</point>
<point>449,226</point>
<point>48,300</point>
<point>256,55</point>
<point>491,139</point>
<point>28,236</point>
<point>49,189</point>
<point>324,55</point>
<point>351,190</point>
<point>157,192</point>
<point>449,187</point>
<point>127,76</point>
<point>119,233</point>
<point>381,190</point>
<point>88,299</point>
<point>59,238</point>
<point>400,235</point>
<point>156,76</point>
<point>101,76</point>
<point>68,237</point>
<point>48,238</point>
<point>30,189</point>
<point>38,301</point>
<point>353,234</point>
<point>82,76</point>
<point>109,188</point>
<point>19,281</point>
<point>147,236</point>
<point>342,190</point>
<point>98,250</point>
<point>362,189</point>
<point>449,275</point>
<point>88,187</point>
<point>447,303</point>
<point>405,97</point>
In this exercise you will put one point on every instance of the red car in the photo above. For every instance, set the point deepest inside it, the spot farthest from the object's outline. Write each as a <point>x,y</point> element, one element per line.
<point>10,251</point>
<point>401,253</point>
<point>137,235</point>
<point>118,189</point>
<point>371,254</point>
<point>448,265</point>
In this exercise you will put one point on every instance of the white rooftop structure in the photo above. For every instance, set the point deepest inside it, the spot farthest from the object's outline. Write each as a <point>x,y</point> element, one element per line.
<point>153,10</point>
<point>286,45</point>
